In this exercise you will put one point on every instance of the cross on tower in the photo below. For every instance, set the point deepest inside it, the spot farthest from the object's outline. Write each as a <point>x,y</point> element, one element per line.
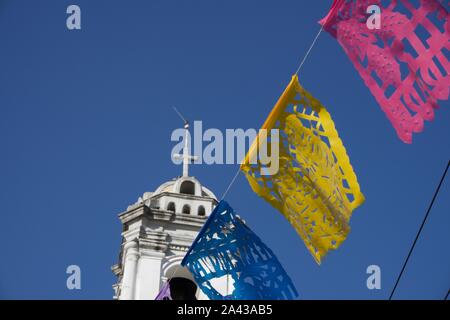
<point>187,158</point>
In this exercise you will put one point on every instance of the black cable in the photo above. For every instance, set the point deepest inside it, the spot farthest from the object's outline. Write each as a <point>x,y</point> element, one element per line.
<point>420,230</point>
<point>447,295</point>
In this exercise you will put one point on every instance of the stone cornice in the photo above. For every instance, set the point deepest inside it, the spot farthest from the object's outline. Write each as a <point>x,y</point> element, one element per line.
<point>182,196</point>
<point>161,215</point>
<point>179,248</point>
<point>117,270</point>
<point>152,245</point>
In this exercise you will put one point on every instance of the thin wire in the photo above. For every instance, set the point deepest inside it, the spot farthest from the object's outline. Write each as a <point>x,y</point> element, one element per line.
<point>239,169</point>
<point>223,196</point>
<point>180,115</point>
<point>446,296</point>
<point>309,50</point>
<point>298,70</point>
<point>231,183</point>
<point>420,230</point>
<point>177,267</point>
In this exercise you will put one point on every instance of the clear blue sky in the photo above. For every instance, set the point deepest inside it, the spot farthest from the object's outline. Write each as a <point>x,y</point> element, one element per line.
<point>85,124</point>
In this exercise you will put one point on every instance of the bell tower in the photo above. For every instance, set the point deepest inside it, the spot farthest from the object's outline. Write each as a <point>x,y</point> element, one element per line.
<point>157,231</point>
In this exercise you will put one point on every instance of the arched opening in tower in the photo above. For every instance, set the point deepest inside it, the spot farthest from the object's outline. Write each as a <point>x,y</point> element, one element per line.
<point>182,289</point>
<point>171,207</point>
<point>201,211</point>
<point>186,209</point>
<point>187,187</point>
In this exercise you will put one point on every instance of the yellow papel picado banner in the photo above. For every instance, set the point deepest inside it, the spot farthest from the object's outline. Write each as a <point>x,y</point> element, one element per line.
<point>315,187</point>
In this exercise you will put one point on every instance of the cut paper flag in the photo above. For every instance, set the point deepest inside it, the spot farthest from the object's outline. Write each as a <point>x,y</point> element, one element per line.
<point>315,187</point>
<point>226,247</point>
<point>404,62</point>
<point>164,294</point>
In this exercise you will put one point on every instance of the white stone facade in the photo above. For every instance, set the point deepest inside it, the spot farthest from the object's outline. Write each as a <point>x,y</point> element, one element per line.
<point>157,232</point>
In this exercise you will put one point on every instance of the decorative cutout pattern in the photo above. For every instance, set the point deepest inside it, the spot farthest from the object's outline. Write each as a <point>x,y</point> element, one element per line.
<point>226,246</point>
<point>404,63</point>
<point>315,187</point>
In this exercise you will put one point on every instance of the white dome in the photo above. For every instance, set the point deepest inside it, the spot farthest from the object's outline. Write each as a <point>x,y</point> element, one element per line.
<point>185,185</point>
<point>181,191</point>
